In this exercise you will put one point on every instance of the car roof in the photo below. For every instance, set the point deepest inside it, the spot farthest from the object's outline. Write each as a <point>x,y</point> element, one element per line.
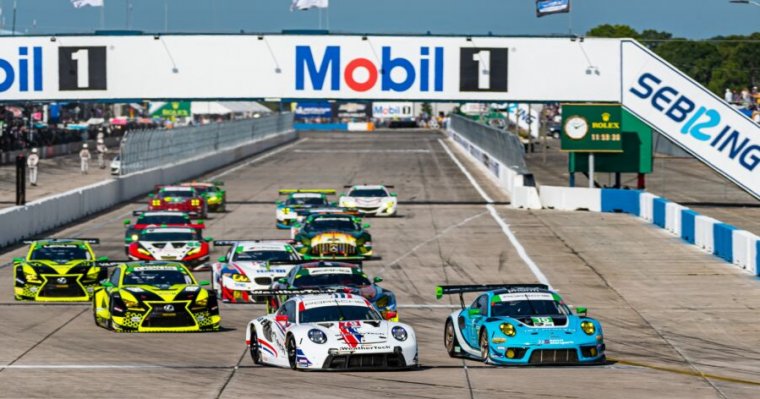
<point>164,213</point>
<point>323,300</point>
<point>368,187</point>
<point>263,245</point>
<point>170,230</point>
<point>307,195</point>
<point>177,188</point>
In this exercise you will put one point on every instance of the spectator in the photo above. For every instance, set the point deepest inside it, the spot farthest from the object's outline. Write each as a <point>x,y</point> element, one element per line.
<point>31,163</point>
<point>84,157</point>
<point>102,150</point>
<point>728,96</point>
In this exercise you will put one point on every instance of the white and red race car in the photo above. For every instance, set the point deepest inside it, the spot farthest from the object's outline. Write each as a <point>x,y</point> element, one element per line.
<point>369,200</point>
<point>328,332</point>
<point>184,244</point>
<point>250,265</point>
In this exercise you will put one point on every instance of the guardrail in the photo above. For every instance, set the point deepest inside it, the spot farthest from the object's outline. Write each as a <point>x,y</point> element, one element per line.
<point>146,149</point>
<point>37,217</point>
<point>500,154</point>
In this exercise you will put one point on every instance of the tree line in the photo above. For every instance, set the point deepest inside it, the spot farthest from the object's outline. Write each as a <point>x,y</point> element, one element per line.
<point>718,63</point>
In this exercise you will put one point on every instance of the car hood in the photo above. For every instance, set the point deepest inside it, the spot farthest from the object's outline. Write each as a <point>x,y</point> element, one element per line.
<point>333,237</point>
<point>177,292</point>
<point>51,267</point>
<point>254,269</point>
<point>175,249</point>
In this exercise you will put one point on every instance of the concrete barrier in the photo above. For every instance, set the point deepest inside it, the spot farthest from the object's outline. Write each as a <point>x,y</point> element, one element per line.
<point>688,225</point>
<point>526,198</point>
<point>571,198</point>
<point>723,241</point>
<point>621,201</point>
<point>673,212</point>
<point>37,217</point>
<point>704,233</point>
<point>744,250</point>
<point>658,211</point>
<point>646,206</point>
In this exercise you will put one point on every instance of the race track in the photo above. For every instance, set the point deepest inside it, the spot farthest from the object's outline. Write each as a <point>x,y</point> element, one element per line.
<point>678,323</point>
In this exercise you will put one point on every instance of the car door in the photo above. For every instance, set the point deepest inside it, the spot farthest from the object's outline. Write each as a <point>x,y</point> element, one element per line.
<point>104,308</point>
<point>476,313</point>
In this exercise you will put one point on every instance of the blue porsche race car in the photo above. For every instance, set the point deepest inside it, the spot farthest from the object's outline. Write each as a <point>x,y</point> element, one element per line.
<point>521,324</point>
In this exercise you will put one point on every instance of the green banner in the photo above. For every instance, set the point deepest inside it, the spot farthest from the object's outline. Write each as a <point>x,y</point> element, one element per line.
<point>173,109</point>
<point>591,128</point>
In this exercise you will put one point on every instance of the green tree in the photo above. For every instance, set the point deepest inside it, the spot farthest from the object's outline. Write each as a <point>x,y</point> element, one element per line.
<point>616,31</point>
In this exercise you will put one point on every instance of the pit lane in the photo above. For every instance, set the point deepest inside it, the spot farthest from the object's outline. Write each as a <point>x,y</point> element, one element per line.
<point>680,322</point>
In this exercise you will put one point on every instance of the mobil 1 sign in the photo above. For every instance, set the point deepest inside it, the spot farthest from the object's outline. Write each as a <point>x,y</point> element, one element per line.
<point>591,128</point>
<point>299,67</point>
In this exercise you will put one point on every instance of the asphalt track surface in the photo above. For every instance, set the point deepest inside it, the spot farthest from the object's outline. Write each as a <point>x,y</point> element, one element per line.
<point>678,323</point>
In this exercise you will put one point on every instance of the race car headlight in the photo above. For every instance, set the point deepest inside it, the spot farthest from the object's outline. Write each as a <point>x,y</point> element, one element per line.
<point>588,327</point>
<point>129,303</point>
<point>317,336</point>
<point>399,333</point>
<point>195,202</point>
<point>30,276</point>
<point>156,202</point>
<point>507,329</point>
<point>286,211</point>
<point>202,302</point>
<point>134,237</point>
<point>92,274</point>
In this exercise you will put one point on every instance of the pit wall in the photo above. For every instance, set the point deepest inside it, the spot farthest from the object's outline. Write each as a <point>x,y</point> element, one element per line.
<point>738,247</point>
<point>38,217</point>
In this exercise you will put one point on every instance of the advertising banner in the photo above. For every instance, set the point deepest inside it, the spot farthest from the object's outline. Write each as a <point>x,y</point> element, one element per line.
<point>314,109</point>
<point>354,110</point>
<point>691,116</point>
<point>293,67</point>
<point>392,110</point>
<point>548,7</point>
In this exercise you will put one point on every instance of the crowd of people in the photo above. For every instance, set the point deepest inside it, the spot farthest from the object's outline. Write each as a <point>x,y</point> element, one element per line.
<point>746,100</point>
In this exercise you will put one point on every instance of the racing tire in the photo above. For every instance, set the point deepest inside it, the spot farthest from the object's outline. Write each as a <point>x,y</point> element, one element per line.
<point>484,346</point>
<point>254,349</point>
<point>291,350</point>
<point>450,341</point>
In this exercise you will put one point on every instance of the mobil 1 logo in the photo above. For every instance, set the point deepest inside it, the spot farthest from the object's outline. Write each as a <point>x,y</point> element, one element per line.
<point>82,68</point>
<point>483,69</point>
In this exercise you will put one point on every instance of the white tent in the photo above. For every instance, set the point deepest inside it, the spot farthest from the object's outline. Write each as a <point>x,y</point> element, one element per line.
<point>227,107</point>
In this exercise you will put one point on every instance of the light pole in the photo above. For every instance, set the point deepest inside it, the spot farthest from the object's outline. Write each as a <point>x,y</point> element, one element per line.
<point>753,2</point>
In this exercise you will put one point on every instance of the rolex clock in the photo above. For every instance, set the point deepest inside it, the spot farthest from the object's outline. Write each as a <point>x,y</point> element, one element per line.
<point>576,127</point>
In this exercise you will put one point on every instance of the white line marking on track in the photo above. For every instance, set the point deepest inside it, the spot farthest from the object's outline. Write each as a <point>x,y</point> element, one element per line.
<point>265,156</point>
<point>402,151</point>
<point>504,226</point>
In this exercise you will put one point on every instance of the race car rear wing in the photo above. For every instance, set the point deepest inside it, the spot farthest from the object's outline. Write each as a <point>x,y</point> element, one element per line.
<point>442,290</point>
<point>58,239</point>
<point>384,185</point>
<point>355,260</point>
<point>327,191</point>
<point>139,212</point>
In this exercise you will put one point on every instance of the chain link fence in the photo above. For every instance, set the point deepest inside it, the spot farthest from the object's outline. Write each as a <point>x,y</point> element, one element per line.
<point>499,144</point>
<point>146,149</point>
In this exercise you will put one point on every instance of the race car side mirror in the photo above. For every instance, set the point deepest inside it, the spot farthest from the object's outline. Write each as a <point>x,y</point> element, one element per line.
<point>18,260</point>
<point>208,239</point>
<point>151,195</point>
<point>581,310</point>
<point>378,279</point>
<point>390,315</point>
<point>282,280</point>
<point>281,318</point>
<point>366,225</point>
<point>106,284</point>
<point>127,222</point>
<point>474,312</point>
<point>203,283</point>
<point>394,195</point>
<point>221,259</point>
<point>102,259</point>
<point>199,221</point>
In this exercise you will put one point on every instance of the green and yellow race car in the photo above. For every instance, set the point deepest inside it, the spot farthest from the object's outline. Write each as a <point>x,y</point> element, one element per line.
<point>155,296</point>
<point>58,270</point>
<point>215,196</point>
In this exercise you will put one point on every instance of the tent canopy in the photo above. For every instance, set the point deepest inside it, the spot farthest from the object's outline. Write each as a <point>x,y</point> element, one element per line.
<point>227,107</point>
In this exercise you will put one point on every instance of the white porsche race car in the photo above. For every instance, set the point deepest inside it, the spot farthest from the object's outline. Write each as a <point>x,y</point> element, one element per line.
<point>370,200</point>
<point>330,332</point>
<point>250,265</point>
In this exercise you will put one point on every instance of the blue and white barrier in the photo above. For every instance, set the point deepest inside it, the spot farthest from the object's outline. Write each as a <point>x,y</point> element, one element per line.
<point>738,247</point>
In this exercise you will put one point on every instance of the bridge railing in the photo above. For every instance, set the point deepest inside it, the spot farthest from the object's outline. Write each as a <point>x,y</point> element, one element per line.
<point>146,149</point>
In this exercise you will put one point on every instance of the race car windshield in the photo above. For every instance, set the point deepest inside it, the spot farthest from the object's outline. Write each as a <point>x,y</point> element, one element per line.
<point>177,193</point>
<point>338,313</point>
<point>161,279</point>
<point>164,219</point>
<point>528,308</point>
<point>368,192</point>
<point>296,201</point>
<point>263,256</point>
<point>178,236</point>
<point>332,224</point>
<point>331,280</point>
<point>60,253</point>
<point>202,189</point>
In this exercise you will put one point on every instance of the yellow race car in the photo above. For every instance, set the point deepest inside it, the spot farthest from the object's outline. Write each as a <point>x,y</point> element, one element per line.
<point>58,270</point>
<point>157,296</point>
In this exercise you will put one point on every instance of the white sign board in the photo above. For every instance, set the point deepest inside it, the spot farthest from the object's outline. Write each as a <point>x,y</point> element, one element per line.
<point>392,110</point>
<point>691,116</point>
<point>394,68</point>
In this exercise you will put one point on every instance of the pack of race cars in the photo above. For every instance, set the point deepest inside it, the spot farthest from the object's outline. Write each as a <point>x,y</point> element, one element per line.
<point>323,310</point>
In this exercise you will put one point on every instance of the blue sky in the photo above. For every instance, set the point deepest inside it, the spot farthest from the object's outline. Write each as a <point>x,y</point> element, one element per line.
<point>684,18</point>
